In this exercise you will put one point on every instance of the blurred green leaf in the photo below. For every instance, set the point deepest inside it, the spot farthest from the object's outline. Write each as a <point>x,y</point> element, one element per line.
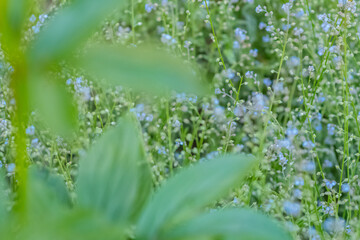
<point>76,224</point>
<point>229,224</point>
<point>13,15</point>
<point>114,177</point>
<point>86,225</point>
<point>192,189</point>
<point>54,104</point>
<point>230,55</point>
<point>69,28</point>
<point>251,22</point>
<point>3,198</point>
<point>47,194</point>
<point>17,16</point>
<point>142,68</point>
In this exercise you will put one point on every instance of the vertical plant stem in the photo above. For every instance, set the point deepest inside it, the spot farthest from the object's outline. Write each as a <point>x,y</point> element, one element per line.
<point>346,122</point>
<point>262,140</point>
<point>19,87</point>
<point>133,21</point>
<point>171,160</point>
<point>215,38</point>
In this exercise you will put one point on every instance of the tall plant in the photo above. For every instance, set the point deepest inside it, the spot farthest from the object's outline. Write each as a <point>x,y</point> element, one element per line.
<point>35,83</point>
<point>114,198</point>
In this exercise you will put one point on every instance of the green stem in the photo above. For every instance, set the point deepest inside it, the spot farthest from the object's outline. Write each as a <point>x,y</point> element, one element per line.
<point>215,38</point>
<point>170,144</point>
<point>133,21</point>
<point>19,85</point>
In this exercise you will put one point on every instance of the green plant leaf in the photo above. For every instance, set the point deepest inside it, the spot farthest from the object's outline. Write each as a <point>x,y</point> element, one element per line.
<point>13,14</point>
<point>251,22</point>
<point>51,216</point>
<point>47,194</point>
<point>229,224</point>
<point>17,10</point>
<point>114,177</point>
<point>46,201</point>
<point>3,198</point>
<point>86,225</point>
<point>142,68</point>
<point>230,55</point>
<point>69,28</point>
<point>54,105</point>
<point>191,190</point>
<point>77,223</point>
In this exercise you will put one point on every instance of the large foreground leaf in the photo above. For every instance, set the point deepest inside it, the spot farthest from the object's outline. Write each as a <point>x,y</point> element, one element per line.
<point>54,104</point>
<point>191,190</point>
<point>76,224</point>
<point>47,194</point>
<point>69,28</point>
<point>114,177</point>
<point>141,68</point>
<point>229,224</point>
<point>12,21</point>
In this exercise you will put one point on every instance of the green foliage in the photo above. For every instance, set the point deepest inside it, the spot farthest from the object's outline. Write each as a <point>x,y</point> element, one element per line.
<point>46,194</point>
<point>114,177</point>
<point>114,188</point>
<point>229,223</point>
<point>141,68</point>
<point>60,40</point>
<point>3,199</point>
<point>250,21</point>
<point>12,19</point>
<point>54,104</point>
<point>114,184</point>
<point>71,27</point>
<point>192,190</point>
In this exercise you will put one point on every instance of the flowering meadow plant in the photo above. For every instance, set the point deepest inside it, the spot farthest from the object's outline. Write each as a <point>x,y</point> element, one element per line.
<point>179,119</point>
